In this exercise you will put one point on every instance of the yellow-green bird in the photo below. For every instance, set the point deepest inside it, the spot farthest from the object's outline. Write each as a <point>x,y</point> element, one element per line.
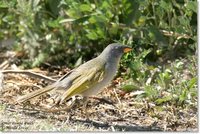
<point>87,79</point>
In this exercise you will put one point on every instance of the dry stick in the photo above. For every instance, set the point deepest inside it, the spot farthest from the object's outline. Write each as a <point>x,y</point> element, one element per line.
<point>4,65</point>
<point>117,97</point>
<point>9,89</point>
<point>165,32</point>
<point>32,74</point>
<point>66,108</point>
<point>119,127</point>
<point>171,33</point>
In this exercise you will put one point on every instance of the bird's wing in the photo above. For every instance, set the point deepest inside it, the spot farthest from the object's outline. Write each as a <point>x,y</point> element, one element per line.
<point>86,80</point>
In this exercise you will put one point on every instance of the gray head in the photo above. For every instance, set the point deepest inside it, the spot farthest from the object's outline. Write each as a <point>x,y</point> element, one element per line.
<point>115,50</point>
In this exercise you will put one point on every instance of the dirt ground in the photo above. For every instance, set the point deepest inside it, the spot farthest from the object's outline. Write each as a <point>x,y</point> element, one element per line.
<point>112,109</point>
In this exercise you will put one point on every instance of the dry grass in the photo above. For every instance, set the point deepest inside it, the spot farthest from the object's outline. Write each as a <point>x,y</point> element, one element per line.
<point>126,113</point>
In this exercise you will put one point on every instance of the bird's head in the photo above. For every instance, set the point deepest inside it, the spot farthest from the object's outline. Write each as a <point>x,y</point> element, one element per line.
<point>115,50</point>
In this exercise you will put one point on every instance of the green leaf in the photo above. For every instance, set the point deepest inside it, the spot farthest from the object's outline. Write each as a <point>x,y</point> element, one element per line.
<point>129,88</point>
<point>144,54</point>
<point>131,11</point>
<point>73,13</point>
<point>83,19</point>
<point>100,32</point>
<point>180,29</point>
<point>166,5</point>
<point>164,99</point>
<point>183,95</point>
<point>192,82</point>
<point>105,5</point>
<point>157,35</point>
<point>192,5</point>
<point>38,60</point>
<point>113,29</point>
<point>98,19</point>
<point>184,21</point>
<point>54,23</point>
<point>97,33</point>
<point>92,35</point>
<point>85,7</point>
<point>3,4</point>
<point>151,92</point>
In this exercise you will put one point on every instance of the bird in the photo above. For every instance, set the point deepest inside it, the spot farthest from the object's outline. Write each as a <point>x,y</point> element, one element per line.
<point>87,79</point>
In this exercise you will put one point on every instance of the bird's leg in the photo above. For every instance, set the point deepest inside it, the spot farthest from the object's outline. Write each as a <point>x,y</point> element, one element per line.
<point>103,100</point>
<point>56,101</point>
<point>85,104</point>
<point>65,108</point>
<point>74,100</point>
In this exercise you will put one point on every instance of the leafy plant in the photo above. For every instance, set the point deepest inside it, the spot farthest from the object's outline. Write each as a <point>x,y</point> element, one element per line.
<point>71,28</point>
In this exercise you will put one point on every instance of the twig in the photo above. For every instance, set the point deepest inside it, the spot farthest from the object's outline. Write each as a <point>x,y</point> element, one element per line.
<point>117,96</point>
<point>4,65</point>
<point>10,89</point>
<point>29,73</point>
<point>118,127</point>
<point>171,33</point>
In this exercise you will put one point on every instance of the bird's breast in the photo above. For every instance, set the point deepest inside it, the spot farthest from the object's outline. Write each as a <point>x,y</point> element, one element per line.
<point>110,71</point>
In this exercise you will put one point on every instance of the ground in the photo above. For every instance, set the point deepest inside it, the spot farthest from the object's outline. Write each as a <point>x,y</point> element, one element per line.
<point>111,110</point>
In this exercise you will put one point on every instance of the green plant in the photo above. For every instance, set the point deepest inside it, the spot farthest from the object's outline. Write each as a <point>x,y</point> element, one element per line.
<point>63,31</point>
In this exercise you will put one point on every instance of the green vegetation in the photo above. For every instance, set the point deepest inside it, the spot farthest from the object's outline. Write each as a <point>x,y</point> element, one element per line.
<point>54,30</point>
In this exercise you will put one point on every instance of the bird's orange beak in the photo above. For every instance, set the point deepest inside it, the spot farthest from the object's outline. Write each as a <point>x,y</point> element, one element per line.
<point>127,49</point>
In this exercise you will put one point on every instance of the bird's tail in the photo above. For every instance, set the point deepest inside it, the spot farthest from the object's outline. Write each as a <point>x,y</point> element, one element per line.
<point>35,93</point>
